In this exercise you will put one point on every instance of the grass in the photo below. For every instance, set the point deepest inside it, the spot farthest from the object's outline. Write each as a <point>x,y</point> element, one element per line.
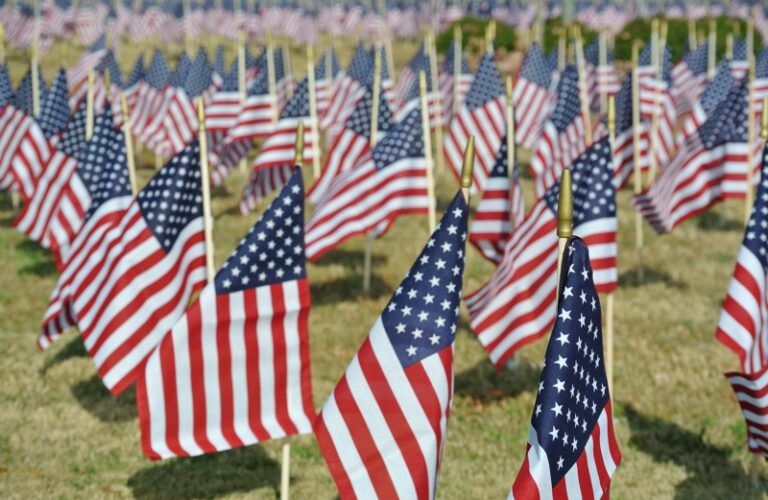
<point>679,427</point>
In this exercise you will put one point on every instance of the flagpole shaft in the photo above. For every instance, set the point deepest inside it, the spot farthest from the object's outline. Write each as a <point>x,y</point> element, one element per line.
<point>89,104</point>
<point>712,40</point>
<point>313,113</point>
<point>243,166</point>
<point>437,105</point>
<point>285,472</point>
<point>129,145</point>
<point>602,62</point>
<point>206,188</point>
<point>457,53</point>
<point>748,191</point>
<point>427,152</point>
<point>511,153</point>
<point>638,181</point>
<point>271,76</point>
<point>609,305</point>
<point>583,92</point>
<point>367,263</point>
<point>2,44</point>
<point>375,98</point>
<point>692,42</point>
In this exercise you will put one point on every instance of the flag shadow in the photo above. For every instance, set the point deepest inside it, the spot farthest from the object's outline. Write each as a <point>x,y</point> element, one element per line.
<point>630,278</point>
<point>37,260</point>
<point>710,471</point>
<point>235,471</point>
<point>347,288</point>
<point>350,259</point>
<point>73,349</point>
<point>713,220</point>
<point>94,397</point>
<point>484,384</point>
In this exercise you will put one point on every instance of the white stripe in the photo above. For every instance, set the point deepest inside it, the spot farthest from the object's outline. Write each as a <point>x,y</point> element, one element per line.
<point>239,374</point>
<point>184,400</point>
<point>267,362</point>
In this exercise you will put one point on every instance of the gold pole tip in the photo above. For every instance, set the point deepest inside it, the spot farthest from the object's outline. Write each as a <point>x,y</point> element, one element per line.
<point>299,158</point>
<point>469,163</point>
<point>565,206</point>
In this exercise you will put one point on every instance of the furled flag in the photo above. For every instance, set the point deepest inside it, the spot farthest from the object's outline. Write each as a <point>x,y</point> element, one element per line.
<point>713,94</point>
<point>501,209</point>
<point>23,96</point>
<point>140,276</point>
<point>742,326</point>
<point>24,151</point>
<point>532,96</point>
<point>273,166</point>
<point>657,104</point>
<point>751,389</point>
<point>54,110</point>
<point>572,450</point>
<point>409,76</point>
<point>601,78</point>
<point>563,137</point>
<point>77,76</point>
<point>382,429</point>
<point>689,77</point>
<point>240,352</point>
<point>710,166</point>
<point>131,86</point>
<point>369,198</point>
<point>517,305</point>
<point>482,116</point>
<point>150,97</point>
<point>446,77</point>
<point>353,145</point>
<point>328,68</point>
<point>624,144</point>
<point>411,98</point>
<point>348,89</point>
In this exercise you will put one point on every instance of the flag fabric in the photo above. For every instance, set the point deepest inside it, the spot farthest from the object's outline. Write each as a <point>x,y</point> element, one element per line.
<point>624,144</point>
<point>328,67</point>
<point>482,116</point>
<point>601,79</point>
<point>517,305</point>
<point>23,100</point>
<point>77,75</point>
<point>751,390</point>
<point>382,429</point>
<point>739,63</point>
<point>572,450</point>
<point>140,276</point>
<point>532,96</point>
<point>353,144</point>
<point>234,369</point>
<point>369,197</point>
<point>562,138</point>
<point>411,96</point>
<point>54,110</point>
<point>24,151</point>
<point>150,98</point>
<point>713,94</point>
<point>347,90</point>
<point>501,209</point>
<point>689,78</point>
<point>710,166</point>
<point>446,83</point>
<point>657,104</point>
<point>742,326</point>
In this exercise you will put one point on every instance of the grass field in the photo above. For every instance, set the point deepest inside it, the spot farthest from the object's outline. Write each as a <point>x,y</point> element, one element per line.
<point>679,427</point>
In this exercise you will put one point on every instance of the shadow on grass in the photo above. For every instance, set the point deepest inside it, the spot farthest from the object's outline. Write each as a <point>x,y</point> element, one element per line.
<point>74,349</point>
<point>97,400</point>
<point>351,259</point>
<point>630,278</point>
<point>710,472</point>
<point>483,383</point>
<point>714,221</point>
<point>347,288</point>
<point>208,476</point>
<point>38,261</point>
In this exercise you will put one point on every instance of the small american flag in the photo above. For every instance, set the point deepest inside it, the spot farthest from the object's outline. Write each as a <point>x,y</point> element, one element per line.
<point>712,95</point>
<point>23,96</point>
<point>327,70</point>
<point>689,77</point>
<point>234,370</point>
<point>624,144</point>
<point>24,151</point>
<point>54,111</point>
<point>482,116</point>
<point>750,389</point>
<point>446,81</point>
<point>656,102</point>
<point>572,449</point>
<point>412,95</point>
<point>601,78</point>
<point>532,96</point>
<point>150,97</point>
<point>382,429</point>
<point>517,305</point>
<point>347,90</point>
<point>77,76</point>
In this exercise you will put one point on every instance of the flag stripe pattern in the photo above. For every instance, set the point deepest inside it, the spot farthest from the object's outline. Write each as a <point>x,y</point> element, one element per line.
<point>751,391</point>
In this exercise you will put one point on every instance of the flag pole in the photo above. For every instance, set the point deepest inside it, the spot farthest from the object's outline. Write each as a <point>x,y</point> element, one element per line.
<point>655,121</point>
<point>748,192</point>
<point>427,152</point>
<point>583,92</point>
<point>564,217</point>
<point>692,42</point>
<point>636,158</point>
<point>129,144</point>
<point>712,40</point>
<point>241,85</point>
<point>89,104</point>
<point>602,62</point>
<point>457,53</point>
<point>313,112</point>
<point>512,363</point>
<point>372,142</point>
<point>609,298</point>
<point>439,165</point>
<point>729,45</point>
<point>2,44</point>
<point>271,75</point>
<point>467,166</point>
<point>206,188</point>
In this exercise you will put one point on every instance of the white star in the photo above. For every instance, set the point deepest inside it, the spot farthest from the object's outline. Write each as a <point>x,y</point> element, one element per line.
<point>434,339</point>
<point>429,298</point>
<point>424,259</point>
<point>583,297</point>
<point>406,311</point>
<point>452,229</point>
<point>418,276</point>
<point>456,270</point>
<point>457,212</point>
<point>446,247</point>
<point>567,292</point>
<point>440,322</point>
<point>440,264</point>
<point>561,362</point>
<point>565,314</point>
<point>554,432</point>
<point>391,307</point>
<point>417,333</point>
<point>411,351</point>
<point>560,463</point>
<point>434,281</point>
<point>446,304</point>
<point>412,293</point>
<point>559,385</point>
<point>227,283</point>
<point>450,287</point>
<point>563,339</point>
<point>582,320</point>
<point>423,315</point>
<point>538,410</point>
<point>584,273</point>
<point>252,247</point>
<point>558,409</point>
<point>400,328</point>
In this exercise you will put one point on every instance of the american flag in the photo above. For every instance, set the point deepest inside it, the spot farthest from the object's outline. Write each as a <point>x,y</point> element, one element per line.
<point>482,116</point>
<point>23,95</point>
<point>369,197</point>
<point>517,305</point>
<point>750,390</point>
<point>624,144</point>
<point>713,94</point>
<point>6,89</point>
<point>54,111</point>
<point>77,76</point>
<point>327,70</point>
<point>409,78</point>
<point>572,449</point>
<point>602,80</point>
<point>382,429</point>
<point>689,77</point>
<point>656,102</point>
<point>352,147</point>
<point>501,209</point>
<point>150,97</point>
<point>256,118</point>
<point>532,96</point>
<point>446,78</point>
<point>562,138</point>
<point>131,85</point>
<point>742,326</point>
<point>253,320</point>
<point>347,90</point>
<point>739,63</point>
<point>73,137</point>
<point>412,96</point>
<point>140,275</point>
<point>710,166</point>
<point>24,151</point>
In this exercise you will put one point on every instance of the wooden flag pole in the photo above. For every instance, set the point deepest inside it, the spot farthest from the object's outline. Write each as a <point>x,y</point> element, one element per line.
<point>206,188</point>
<point>656,118</point>
<point>313,126</point>
<point>271,76</point>
<point>438,108</point>
<point>564,218</point>
<point>692,42</point>
<point>511,128</point>
<point>602,62</point>
<point>457,53</point>
<point>712,40</point>
<point>750,37</point>
<point>636,159</point>
<point>609,324</point>
<point>729,46</point>
<point>561,48</point>
<point>372,141</point>
<point>288,68</point>
<point>2,44</point>
<point>243,165</point>
<point>583,91</point>
<point>129,145</point>
<point>390,60</point>
<point>427,152</point>
<point>490,34</point>
<point>467,166</point>
<point>748,191</point>
<point>89,111</point>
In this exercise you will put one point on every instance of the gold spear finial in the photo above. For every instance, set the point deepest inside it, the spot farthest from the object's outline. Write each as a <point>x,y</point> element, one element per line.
<point>469,163</point>
<point>565,206</point>
<point>299,158</point>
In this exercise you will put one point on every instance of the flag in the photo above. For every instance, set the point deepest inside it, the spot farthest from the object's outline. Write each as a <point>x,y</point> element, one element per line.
<point>54,110</point>
<point>23,96</point>
<point>657,103</point>
<point>24,151</point>
<point>411,96</point>
<point>501,209</point>
<point>624,144</point>
<point>601,78</point>
<point>391,182</point>
<point>150,98</point>
<point>347,90</point>
<point>446,77</point>
<point>739,63</point>
<point>482,116</point>
<point>710,166</point>
<point>328,67</point>
<point>562,138</point>
<point>713,94</point>
<point>77,75</point>
<point>689,77</point>
<point>532,96</point>
<point>140,276</point>
<point>234,369</point>
<point>221,116</point>
<point>517,305</point>
<point>750,390</point>
<point>382,429</point>
<point>353,144</point>
<point>742,327</point>
<point>572,449</point>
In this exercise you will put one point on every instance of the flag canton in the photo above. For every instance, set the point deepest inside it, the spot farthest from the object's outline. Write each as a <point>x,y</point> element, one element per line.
<point>419,63</point>
<point>298,106</point>
<point>421,316</point>
<point>54,113</point>
<point>573,389</point>
<point>486,86</point>
<point>450,55</point>
<point>137,73</point>
<point>260,85</point>
<point>109,64</point>
<point>761,64</point>
<point>568,105</point>
<point>501,165</point>
<point>360,120</point>
<point>179,75</point>
<point>697,60</point>
<point>23,97</point>
<point>592,53</point>
<point>273,250</point>
<point>740,49</point>
<point>594,196</point>
<point>218,63</point>
<point>173,197</point>
<point>361,67</point>
<point>277,64</point>
<point>718,88</point>
<point>6,89</point>
<point>624,105</point>
<point>230,81</point>
<point>404,140</point>
<point>553,60</point>
<point>728,122</point>
<point>756,235</point>
<point>384,65</point>
<point>74,134</point>
<point>158,72</point>
<point>102,164</point>
<point>666,61</point>
<point>199,77</point>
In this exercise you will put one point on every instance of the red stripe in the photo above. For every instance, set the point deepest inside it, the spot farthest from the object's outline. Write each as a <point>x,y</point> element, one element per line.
<point>170,395</point>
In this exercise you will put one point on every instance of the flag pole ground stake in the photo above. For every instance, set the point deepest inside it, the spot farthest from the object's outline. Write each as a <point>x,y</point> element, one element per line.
<point>206,188</point>
<point>637,174</point>
<point>609,298</point>
<point>129,145</point>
